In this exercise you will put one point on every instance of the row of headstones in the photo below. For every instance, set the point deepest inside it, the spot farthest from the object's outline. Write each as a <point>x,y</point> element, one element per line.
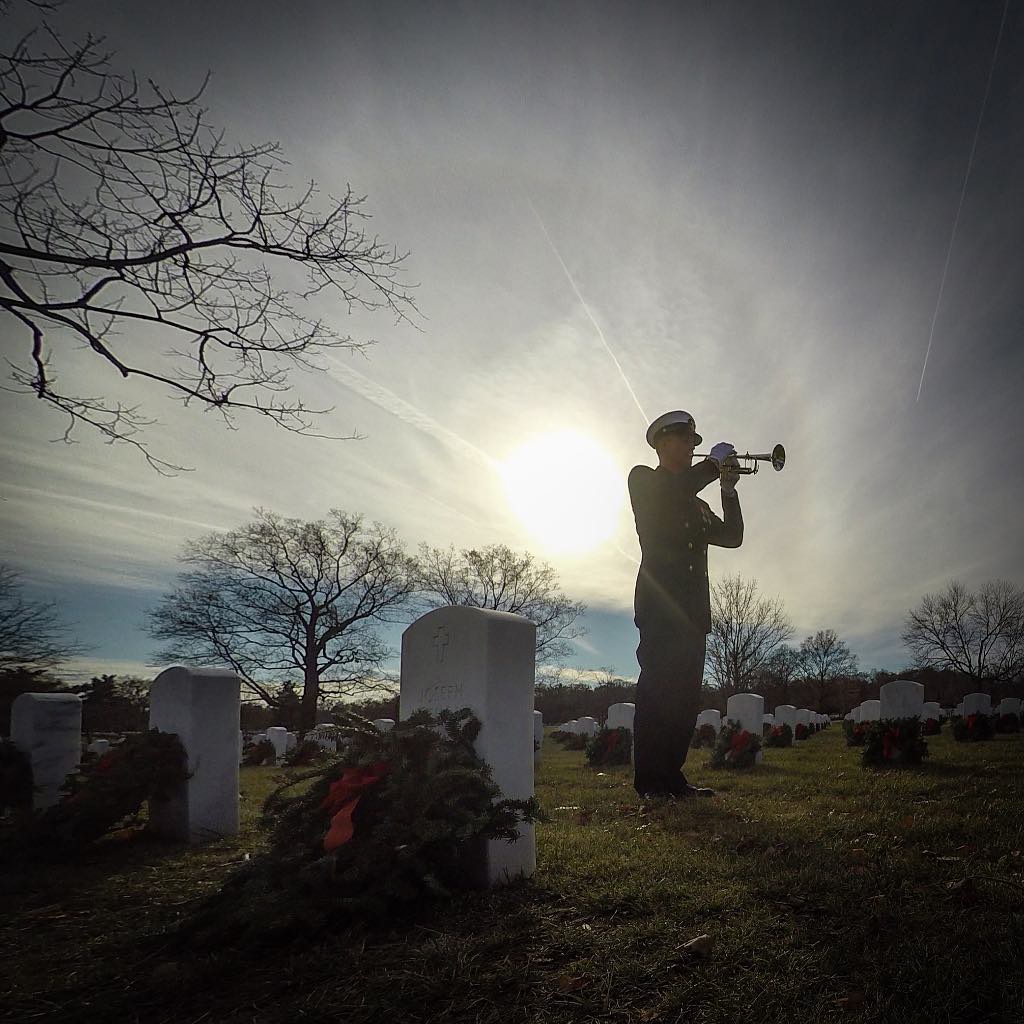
<point>904,698</point>
<point>451,658</point>
<point>283,741</point>
<point>747,710</point>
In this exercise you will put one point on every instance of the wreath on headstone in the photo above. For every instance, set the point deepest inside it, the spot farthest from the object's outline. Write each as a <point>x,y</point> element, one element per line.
<point>609,746</point>
<point>304,752</point>
<point>570,740</point>
<point>855,732</point>
<point>100,795</point>
<point>394,820</point>
<point>779,736</point>
<point>1008,723</point>
<point>705,736</point>
<point>973,728</point>
<point>15,779</point>
<point>894,743</point>
<point>255,754</point>
<point>932,727</point>
<point>802,731</point>
<point>735,747</point>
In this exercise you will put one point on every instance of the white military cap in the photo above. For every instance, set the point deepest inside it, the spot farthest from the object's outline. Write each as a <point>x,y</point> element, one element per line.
<point>678,419</point>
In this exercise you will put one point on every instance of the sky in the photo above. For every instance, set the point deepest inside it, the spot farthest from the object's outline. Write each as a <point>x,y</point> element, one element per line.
<point>611,210</point>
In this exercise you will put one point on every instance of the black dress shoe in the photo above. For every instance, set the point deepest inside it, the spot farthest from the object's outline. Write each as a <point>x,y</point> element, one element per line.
<point>696,791</point>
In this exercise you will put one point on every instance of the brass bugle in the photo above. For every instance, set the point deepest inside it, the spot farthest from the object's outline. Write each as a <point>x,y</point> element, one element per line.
<point>777,457</point>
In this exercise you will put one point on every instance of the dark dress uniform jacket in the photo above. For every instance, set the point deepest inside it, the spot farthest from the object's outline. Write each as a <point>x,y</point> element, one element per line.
<point>675,528</point>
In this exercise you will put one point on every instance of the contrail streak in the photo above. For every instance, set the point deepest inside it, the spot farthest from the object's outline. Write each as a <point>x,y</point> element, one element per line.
<point>960,204</point>
<point>398,407</point>
<point>586,308</point>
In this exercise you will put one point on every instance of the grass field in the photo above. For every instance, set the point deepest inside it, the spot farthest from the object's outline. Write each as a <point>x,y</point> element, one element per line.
<point>828,893</point>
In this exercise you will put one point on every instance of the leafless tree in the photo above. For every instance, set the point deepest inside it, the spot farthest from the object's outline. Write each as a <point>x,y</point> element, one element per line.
<point>745,631</point>
<point>979,633</point>
<point>498,578</point>
<point>280,596</point>
<point>133,229</point>
<point>32,635</point>
<point>827,661</point>
<point>777,673</point>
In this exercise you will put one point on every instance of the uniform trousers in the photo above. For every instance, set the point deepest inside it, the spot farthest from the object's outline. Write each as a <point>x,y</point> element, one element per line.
<point>667,703</point>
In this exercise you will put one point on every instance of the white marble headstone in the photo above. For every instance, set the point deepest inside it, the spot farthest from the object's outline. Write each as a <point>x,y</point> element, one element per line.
<point>278,736</point>
<point>384,724</point>
<point>1009,706</point>
<point>977,704</point>
<point>201,707</point>
<point>99,747</point>
<point>746,709</point>
<point>48,728</point>
<point>709,716</point>
<point>620,716</point>
<point>785,714</point>
<point>870,710</point>
<point>901,698</point>
<point>460,657</point>
<point>803,717</point>
<point>586,726</point>
<point>931,709</point>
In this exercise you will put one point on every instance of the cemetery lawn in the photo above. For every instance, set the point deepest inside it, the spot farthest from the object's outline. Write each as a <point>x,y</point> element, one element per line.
<point>828,892</point>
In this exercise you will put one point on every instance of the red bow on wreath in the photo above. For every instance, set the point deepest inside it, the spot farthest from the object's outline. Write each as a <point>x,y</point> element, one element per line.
<point>343,798</point>
<point>740,741</point>
<point>889,743</point>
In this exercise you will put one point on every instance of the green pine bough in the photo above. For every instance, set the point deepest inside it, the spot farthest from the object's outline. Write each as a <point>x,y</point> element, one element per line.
<point>609,746</point>
<point>735,747</point>
<point>99,796</point>
<point>973,728</point>
<point>779,736</point>
<point>897,743</point>
<point>393,821</point>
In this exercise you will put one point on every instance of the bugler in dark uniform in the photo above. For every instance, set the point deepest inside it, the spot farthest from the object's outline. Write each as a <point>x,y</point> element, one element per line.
<point>672,602</point>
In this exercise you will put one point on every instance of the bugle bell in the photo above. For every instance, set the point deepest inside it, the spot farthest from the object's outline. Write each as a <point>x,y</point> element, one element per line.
<point>777,457</point>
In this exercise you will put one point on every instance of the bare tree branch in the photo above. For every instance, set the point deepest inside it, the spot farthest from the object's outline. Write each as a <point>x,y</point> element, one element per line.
<point>31,633</point>
<point>979,633</point>
<point>826,660</point>
<point>498,578</point>
<point>745,631</point>
<point>280,596</point>
<point>129,224</point>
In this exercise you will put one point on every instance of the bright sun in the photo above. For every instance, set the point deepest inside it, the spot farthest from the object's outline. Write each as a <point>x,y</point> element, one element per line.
<point>566,489</point>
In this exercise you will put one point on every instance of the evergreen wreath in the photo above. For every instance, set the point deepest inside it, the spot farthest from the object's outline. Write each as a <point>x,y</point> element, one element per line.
<point>102,794</point>
<point>304,752</point>
<point>610,746</point>
<point>802,731</point>
<point>973,728</point>
<point>570,740</point>
<point>254,754</point>
<point>705,736</point>
<point>779,736</point>
<point>895,743</point>
<point>855,732</point>
<point>1008,723</point>
<point>932,727</point>
<point>735,747</point>
<point>15,779</point>
<point>392,821</point>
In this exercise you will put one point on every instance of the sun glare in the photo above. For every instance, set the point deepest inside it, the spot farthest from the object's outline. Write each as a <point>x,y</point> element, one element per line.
<point>566,489</point>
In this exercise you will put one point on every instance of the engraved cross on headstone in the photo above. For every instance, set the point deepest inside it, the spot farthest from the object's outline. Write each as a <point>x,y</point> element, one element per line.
<point>441,642</point>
